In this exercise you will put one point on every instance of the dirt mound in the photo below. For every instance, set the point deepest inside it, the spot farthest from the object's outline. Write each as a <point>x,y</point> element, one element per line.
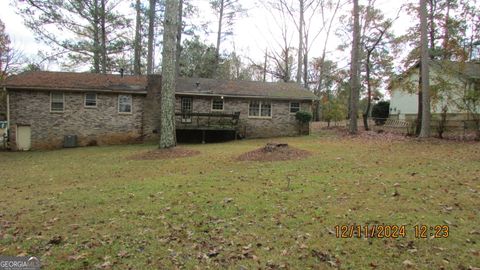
<point>274,152</point>
<point>175,152</point>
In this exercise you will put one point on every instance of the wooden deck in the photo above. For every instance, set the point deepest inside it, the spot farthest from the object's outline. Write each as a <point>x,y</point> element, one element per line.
<point>207,122</point>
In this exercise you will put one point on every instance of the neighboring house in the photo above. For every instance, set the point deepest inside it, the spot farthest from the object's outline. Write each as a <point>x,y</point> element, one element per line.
<point>44,107</point>
<point>448,83</point>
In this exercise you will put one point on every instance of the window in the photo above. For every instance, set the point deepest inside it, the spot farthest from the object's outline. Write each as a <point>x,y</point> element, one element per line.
<point>90,100</point>
<point>217,104</point>
<point>254,109</point>
<point>124,103</point>
<point>261,109</point>
<point>265,109</point>
<point>294,107</point>
<point>186,107</point>
<point>56,102</point>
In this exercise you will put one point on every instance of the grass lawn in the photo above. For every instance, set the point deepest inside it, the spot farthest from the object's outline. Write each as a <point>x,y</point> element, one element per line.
<point>94,207</point>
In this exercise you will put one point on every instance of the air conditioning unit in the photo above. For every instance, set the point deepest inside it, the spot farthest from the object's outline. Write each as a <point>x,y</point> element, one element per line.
<point>70,141</point>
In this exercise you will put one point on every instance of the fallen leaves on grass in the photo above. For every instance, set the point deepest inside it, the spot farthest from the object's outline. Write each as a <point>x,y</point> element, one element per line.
<point>269,153</point>
<point>56,240</point>
<point>168,153</point>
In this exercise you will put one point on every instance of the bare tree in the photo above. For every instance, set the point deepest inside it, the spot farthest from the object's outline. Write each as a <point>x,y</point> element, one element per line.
<point>167,112</point>
<point>379,46</point>
<point>227,12</point>
<point>151,30</point>
<point>425,81</point>
<point>328,24</point>
<point>282,56</point>
<point>354,70</point>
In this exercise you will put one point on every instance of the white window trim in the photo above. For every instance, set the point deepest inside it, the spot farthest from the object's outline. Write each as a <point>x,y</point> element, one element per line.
<point>63,96</point>
<point>216,110</point>
<point>118,104</point>
<point>290,107</point>
<point>85,100</point>
<point>260,110</point>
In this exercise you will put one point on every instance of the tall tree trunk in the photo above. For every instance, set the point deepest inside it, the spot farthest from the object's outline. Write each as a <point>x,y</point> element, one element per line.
<point>369,91</point>
<point>305,69</point>
<point>431,16</point>
<point>322,62</point>
<point>368,67</point>
<point>418,123</point>
<point>96,38</point>
<point>104,37</point>
<point>179,37</point>
<point>354,70</point>
<point>151,30</point>
<point>137,55</point>
<point>446,35</point>
<point>219,38</point>
<point>167,112</point>
<point>425,129</point>
<point>300,43</point>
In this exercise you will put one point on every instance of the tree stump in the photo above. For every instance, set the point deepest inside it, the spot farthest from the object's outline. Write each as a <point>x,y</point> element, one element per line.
<point>271,147</point>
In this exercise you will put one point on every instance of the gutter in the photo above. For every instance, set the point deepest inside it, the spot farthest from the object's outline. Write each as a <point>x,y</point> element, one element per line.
<point>144,92</point>
<point>78,90</point>
<point>246,96</point>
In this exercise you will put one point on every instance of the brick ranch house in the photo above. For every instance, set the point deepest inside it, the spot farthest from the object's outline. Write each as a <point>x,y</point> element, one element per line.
<point>47,109</point>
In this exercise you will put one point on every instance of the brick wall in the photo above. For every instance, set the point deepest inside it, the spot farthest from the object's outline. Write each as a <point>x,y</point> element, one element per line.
<point>151,115</point>
<point>282,122</point>
<point>100,125</point>
<point>104,125</point>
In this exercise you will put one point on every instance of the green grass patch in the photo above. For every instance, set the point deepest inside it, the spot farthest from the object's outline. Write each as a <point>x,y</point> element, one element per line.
<point>211,211</point>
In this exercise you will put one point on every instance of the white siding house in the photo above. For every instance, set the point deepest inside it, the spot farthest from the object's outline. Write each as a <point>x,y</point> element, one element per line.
<point>448,83</point>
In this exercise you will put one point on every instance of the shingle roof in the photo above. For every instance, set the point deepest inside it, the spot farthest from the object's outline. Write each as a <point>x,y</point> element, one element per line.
<point>45,80</point>
<point>76,81</point>
<point>273,90</point>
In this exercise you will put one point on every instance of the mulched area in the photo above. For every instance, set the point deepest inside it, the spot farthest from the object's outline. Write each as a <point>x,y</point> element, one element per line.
<point>374,135</point>
<point>170,153</point>
<point>277,152</point>
<point>388,136</point>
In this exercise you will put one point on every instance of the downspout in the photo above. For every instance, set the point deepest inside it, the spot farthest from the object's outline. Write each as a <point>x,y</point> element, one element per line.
<point>8,108</point>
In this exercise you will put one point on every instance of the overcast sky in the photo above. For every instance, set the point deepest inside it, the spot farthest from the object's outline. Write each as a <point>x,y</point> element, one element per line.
<point>253,33</point>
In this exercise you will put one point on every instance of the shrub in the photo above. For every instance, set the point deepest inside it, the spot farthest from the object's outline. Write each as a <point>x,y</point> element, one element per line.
<point>380,112</point>
<point>303,117</point>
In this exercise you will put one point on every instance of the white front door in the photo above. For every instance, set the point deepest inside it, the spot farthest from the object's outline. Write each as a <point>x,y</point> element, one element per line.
<point>24,140</point>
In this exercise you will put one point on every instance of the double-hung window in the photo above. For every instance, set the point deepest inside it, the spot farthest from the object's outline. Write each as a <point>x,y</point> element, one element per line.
<point>57,102</point>
<point>125,103</point>
<point>90,100</point>
<point>260,109</point>
<point>294,107</point>
<point>217,104</point>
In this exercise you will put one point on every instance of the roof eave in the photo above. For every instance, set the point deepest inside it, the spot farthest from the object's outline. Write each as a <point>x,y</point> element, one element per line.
<point>242,96</point>
<point>126,91</point>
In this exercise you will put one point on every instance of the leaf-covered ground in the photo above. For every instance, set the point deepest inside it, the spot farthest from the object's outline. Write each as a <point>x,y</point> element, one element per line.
<point>95,207</point>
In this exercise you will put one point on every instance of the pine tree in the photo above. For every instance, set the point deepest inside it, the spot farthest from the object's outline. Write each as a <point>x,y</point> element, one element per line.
<point>167,112</point>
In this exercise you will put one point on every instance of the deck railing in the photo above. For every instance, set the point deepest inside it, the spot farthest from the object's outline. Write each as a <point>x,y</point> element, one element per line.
<point>213,121</point>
